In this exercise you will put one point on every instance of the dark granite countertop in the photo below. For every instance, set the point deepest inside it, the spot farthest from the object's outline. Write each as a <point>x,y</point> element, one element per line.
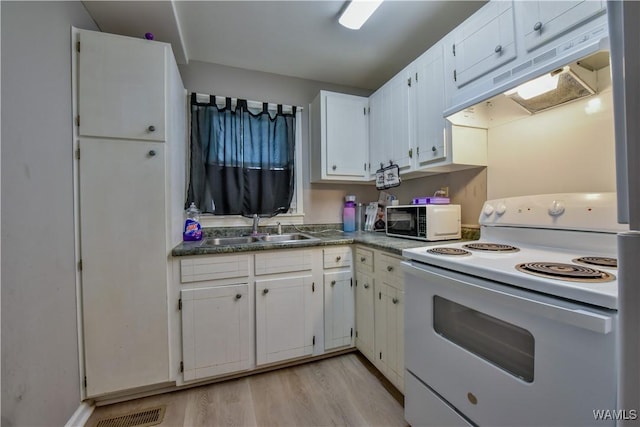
<point>329,236</point>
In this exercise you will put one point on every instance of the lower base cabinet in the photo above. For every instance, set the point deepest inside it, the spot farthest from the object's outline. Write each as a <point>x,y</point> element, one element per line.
<point>338,310</point>
<point>284,320</point>
<point>216,338</point>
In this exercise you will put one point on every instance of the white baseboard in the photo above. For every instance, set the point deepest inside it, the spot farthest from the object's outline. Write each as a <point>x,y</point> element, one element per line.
<point>81,415</point>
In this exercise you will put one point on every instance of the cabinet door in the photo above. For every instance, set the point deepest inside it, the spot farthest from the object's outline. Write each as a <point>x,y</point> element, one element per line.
<point>379,150</point>
<point>429,103</point>
<point>338,309</point>
<point>545,20</point>
<point>395,339</point>
<point>346,130</point>
<point>121,87</point>
<point>484,42</point>
<point>284,327</point>
<point>399,138</point>
<point>364,314</point>
<point>207,348</point>
<point>381,326</point>
<point>124,264</point>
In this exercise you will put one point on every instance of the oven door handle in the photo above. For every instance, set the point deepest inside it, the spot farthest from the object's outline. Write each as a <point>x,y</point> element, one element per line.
<point>580,318</point>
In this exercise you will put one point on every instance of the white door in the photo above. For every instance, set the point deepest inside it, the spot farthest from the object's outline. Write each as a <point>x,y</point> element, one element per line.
<point>124,264</point>
<point>398,110</point>
<point>284,324</point>
<point>364,315</point>
<point>338,309</point>
<point>429,103</point>
<point>347,135</point>
<point>121,87</point>
<point>379,153</point>
<point>208,347</point>
<point>381,326</point>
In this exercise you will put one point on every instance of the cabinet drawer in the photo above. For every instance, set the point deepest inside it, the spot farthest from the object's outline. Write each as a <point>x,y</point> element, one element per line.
<point>388,268</point>
<point>214,267</point>
<point>283,261</point>
<point>364,260</point>
<point>337,257</point>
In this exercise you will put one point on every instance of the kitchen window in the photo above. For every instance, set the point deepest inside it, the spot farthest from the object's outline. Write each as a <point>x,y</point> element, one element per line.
<point>243,159</point>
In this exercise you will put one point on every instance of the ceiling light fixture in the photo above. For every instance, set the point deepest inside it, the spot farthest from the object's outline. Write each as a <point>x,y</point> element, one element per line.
<point>357,13</point>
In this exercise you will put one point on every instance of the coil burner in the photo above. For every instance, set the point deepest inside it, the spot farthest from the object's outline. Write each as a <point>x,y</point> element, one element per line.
<point>448,251</point>
<point>597,261</point>
<point>569,272</point>
<point>490,247</point>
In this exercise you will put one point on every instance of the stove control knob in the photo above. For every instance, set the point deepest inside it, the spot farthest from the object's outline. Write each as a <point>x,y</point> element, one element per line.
<point>557,208</point>
<point>501,208</point>
<point>488,210</point>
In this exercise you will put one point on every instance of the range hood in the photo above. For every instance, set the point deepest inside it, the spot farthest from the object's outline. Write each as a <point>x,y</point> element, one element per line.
<point>561,86</point>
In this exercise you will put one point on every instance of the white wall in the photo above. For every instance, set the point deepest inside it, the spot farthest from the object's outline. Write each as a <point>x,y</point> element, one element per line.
<point>561,150</point>
<point>40,379</point>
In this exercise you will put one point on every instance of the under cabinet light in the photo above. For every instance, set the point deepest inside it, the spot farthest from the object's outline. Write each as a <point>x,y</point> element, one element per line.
<point>357,13</point>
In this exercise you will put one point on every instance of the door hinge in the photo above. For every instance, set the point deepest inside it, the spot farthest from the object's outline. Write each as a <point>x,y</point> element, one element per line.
<point>364,111</point>
<point>356,283</point>
<point>351,280</point>
<point>181,366</point>
<point>454,49</point>
<point>356,334</point>
<point>80,265</point>
<point>417,151</point>
<point>78,46</point>
<point>409,82</point>
<point>455,76</point>
<point>416,77</point>
<point>78,153</point>
<point>85,381</point>
<point>313,286</point>
<point>352,332</point>
<point>180,304</point>
<point>313,341</point>
<point>380,355</point>
<point>78,120</point>
<point>411,153</point>
<point>365,166</point>
<point>379,295</point>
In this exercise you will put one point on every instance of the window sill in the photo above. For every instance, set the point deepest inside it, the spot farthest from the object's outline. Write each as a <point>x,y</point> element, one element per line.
<point>240,221</point>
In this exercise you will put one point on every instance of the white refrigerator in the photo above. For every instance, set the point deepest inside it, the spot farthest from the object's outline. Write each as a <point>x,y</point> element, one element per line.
<point>624,33</point>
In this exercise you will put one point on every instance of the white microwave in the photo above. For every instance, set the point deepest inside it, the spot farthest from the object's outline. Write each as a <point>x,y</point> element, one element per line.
<point>424,222</point>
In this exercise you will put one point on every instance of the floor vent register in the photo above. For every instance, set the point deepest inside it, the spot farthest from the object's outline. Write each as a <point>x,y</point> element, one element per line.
<point>140,418</point>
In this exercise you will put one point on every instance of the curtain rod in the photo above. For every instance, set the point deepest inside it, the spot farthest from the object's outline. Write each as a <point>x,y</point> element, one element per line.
<point>203,97</point>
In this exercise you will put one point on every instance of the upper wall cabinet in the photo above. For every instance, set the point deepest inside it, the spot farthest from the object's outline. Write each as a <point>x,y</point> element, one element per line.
<point>483,42</point>
<point>545,20</point>
<point>389,124</point>
<point>121,87</point>
<point>339,134</point>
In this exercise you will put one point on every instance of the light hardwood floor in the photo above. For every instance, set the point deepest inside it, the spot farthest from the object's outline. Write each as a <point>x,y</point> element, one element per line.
<point>340,391</point>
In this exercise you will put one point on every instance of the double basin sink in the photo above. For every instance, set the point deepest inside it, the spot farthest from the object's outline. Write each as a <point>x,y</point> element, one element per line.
<point>267,238</point>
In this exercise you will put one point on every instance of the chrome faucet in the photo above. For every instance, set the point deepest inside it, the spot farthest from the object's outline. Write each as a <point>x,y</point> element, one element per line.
<point>256,219</point>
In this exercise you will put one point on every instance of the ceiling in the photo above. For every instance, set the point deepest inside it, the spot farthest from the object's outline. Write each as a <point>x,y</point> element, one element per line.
<point>293,38</point>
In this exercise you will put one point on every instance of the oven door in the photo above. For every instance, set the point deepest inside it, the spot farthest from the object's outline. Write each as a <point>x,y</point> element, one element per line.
<point>505,356</point>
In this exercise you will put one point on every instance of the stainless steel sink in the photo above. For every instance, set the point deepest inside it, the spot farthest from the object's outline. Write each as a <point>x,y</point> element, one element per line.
<point>281,238</point>
<point>220,241</point>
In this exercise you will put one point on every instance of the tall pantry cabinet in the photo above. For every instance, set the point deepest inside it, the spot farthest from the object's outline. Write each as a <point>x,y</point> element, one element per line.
<point>130,149</point>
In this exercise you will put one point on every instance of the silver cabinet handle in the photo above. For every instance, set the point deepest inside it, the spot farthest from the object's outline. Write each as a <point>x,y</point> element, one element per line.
<point>537,26</point>
<point>395,300</point>
<point>434,149</point>
<point>152,153</point>
<point>498,49</point>
<point>265,291</point>
<point>338,258</point>
<point>333,283</point>
<point>151,128</point>
<point>389,268</point>
<point>366,286</point>
<point>334,167</point>
<point>238,296</point>
<point>363,259</point>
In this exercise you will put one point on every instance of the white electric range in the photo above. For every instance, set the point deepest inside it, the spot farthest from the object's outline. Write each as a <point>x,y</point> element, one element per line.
<point>519,327</point>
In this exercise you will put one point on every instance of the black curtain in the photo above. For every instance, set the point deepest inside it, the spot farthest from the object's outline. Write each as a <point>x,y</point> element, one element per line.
<point>242,162</point>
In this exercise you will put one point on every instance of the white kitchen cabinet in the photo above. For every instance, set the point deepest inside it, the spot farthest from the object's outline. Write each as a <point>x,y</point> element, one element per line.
<point>339,134</point>
<point>121,87</point>
<point>483,42</point>
<point>284,318</point>
<point>208,349</point>
<point>543,21</point>
<point>389,319</point>
<point>364,313</point>
<point>390,127</point>
<point>130,192</point>
<point>428,102</point>
<point>339,300</point>
<point>338,309</point>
